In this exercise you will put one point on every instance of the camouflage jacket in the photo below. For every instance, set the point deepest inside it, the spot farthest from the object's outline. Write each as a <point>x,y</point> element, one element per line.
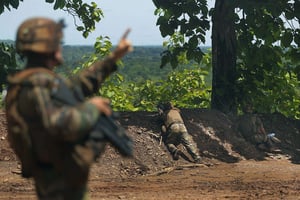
<point>250,125</point>
<point>53,126</point>
<point>170,117</point>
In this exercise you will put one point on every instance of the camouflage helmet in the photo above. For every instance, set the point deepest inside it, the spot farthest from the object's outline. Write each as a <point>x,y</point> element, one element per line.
<point>247,107</point>
<point>164,106</point>
<point>41,35</point>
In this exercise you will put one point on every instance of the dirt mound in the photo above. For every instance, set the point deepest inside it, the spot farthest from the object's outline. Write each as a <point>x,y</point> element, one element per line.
<point>232,169</point>
<point>212,131</point>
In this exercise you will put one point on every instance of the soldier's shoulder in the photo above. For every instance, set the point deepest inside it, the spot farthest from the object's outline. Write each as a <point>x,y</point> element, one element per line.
<point>42,78</point>
<point>244,117</point>
<point>175,109</point>
<point>257,118</point>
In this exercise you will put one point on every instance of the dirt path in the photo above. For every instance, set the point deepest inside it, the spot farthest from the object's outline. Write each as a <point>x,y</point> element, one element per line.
<point>275,178</point>
<point>270,179</point>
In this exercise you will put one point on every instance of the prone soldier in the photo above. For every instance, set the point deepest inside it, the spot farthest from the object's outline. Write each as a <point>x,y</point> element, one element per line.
<point>174,132</point>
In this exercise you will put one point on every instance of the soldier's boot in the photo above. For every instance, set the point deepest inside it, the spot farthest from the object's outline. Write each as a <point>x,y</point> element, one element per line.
<point>271,146</point>
<point>195,155</point>
<point>275,140</point>
<point>197,159</point>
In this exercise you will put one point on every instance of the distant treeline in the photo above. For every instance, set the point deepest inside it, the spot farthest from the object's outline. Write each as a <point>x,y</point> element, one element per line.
<point>139,65</point>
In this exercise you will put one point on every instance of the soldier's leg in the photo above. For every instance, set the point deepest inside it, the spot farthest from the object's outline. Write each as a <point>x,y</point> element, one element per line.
<point>49,184</point>
<point>174,151</point>
<point>171,142</point>
<point>260,141</point>
<point>191,146</point>
<point>52,185</point>
<point>76,173</point>
<point>272,143</point>
<point>260,138</point>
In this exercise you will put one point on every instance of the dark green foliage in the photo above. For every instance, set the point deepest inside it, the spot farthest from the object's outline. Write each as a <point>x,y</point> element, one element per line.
<point>186,22</point>
<point>185,88</point>
<point>88,14</point>
<point>8,62</point>
<point>188,87</point>
<point>8,4</point>
<point>255,48</point>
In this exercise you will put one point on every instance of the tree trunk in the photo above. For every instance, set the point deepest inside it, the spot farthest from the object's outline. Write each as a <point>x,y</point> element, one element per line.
<point>223,58</point>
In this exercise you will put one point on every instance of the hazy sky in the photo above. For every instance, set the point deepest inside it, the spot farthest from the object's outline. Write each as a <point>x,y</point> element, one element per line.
<point>118,16</point>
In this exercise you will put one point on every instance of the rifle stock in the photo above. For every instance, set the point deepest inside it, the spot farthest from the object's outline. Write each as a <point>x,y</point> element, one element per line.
<point>105,129</point>
<point>115,133</point>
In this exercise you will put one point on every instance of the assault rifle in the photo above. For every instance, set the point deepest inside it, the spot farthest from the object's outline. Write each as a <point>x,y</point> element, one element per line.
<point>105,129</point>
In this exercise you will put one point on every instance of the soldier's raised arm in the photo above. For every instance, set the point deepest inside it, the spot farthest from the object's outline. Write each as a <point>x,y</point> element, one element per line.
<point>122,48</point>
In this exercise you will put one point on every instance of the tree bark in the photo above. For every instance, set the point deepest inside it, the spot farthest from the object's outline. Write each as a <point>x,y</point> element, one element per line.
<point>223,58</point>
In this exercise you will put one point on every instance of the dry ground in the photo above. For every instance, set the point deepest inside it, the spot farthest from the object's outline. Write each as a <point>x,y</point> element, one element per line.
<point>231,168</point>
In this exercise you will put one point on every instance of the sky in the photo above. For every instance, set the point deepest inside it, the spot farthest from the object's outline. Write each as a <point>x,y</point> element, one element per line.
<point>138,15</point>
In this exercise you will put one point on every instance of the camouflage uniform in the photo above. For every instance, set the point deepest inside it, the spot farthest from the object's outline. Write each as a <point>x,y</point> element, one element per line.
<point>251,128</point>
<point>61,155</point>
<point>176,133</point>
<point>54,128</point>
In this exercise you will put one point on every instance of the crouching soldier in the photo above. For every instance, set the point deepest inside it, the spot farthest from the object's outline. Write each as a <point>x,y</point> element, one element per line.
<point>252,129</point>
<point>174,132</point>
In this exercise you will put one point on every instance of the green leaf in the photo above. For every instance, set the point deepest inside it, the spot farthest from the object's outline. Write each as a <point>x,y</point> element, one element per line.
<point>193,42</point>
<point>80,28</point>
<point>297,39</point>
<point>164,30</point>
<point>162,20</point>
<point>164,59</point>
<point>59,4</point>
<point>14,3</point>
<point>286,39</point>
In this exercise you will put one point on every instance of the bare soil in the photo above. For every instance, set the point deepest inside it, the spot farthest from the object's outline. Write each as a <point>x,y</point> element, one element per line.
<point>231,168</point>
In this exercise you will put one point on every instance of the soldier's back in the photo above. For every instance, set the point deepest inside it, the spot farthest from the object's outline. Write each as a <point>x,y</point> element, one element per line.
<point>246,125</point>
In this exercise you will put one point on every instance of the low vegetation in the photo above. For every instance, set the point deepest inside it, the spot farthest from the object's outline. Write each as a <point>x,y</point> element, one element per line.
<point>140,83</point>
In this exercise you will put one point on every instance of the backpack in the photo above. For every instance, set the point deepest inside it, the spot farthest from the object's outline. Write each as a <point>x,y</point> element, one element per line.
<point>18,136</point>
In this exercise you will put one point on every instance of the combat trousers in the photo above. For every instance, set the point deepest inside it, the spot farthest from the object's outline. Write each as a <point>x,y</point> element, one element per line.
<point>259,138</point>
<point>177,134</point>
<point>51,185</point>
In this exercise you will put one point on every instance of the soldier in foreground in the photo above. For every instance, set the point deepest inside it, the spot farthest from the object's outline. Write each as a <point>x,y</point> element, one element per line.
<point>49,134</point>
<point>250,126</point>
<point>174,132</point>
